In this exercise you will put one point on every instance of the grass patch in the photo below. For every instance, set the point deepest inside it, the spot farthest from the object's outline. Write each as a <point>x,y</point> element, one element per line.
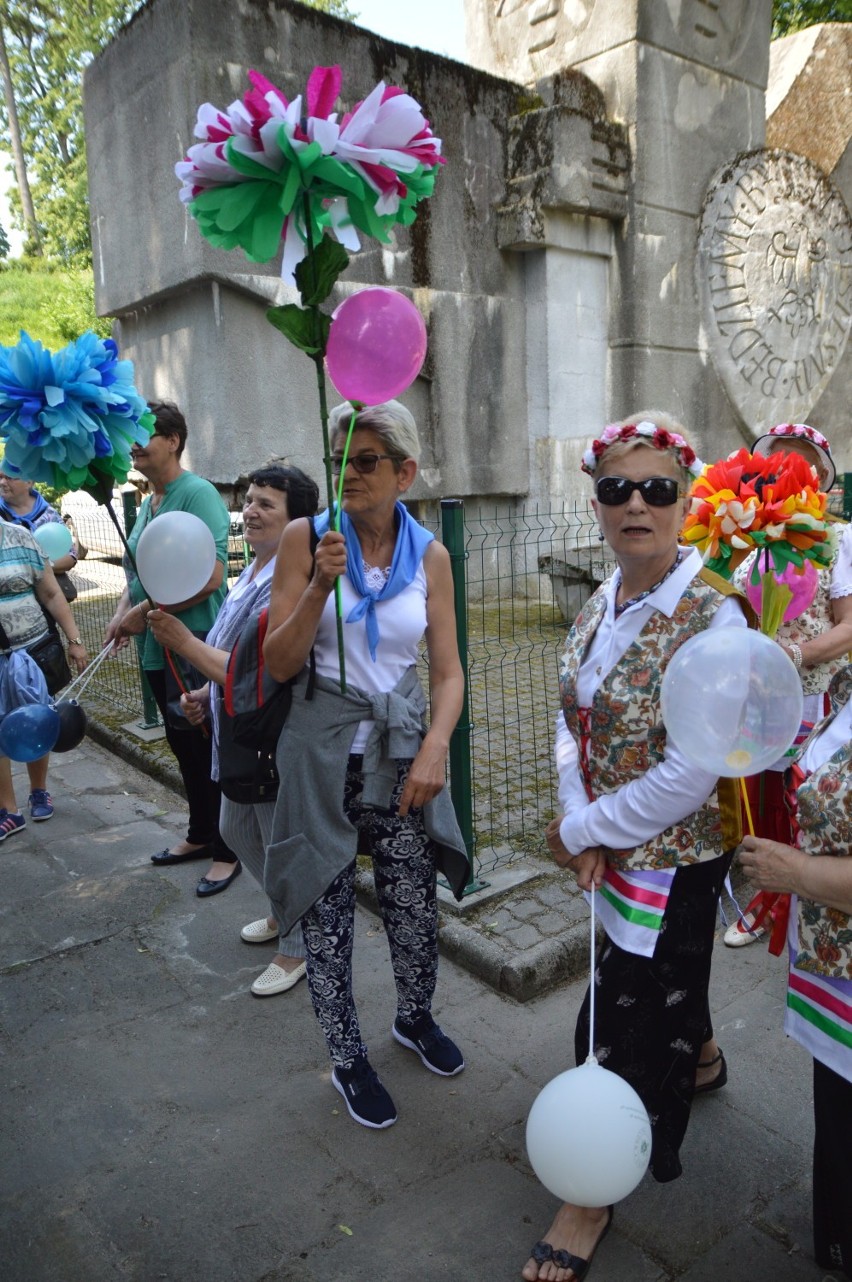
<point>53,304</point>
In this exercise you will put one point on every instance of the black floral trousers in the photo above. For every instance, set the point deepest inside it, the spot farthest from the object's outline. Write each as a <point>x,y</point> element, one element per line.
<point>404,868</point>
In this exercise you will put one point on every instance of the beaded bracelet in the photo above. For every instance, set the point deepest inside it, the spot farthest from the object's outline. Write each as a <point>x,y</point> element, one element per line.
<point>796,653</point>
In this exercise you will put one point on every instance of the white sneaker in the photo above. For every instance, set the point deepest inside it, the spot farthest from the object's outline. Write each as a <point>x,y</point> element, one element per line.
<point>743,932</point>
<point>258,932</point>
<point>275,979</point>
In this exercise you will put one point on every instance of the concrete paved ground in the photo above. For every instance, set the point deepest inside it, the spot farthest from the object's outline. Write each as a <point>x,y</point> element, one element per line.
<point>157,1122</point>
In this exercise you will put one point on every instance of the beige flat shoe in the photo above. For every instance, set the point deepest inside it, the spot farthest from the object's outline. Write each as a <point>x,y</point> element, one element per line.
<point>258,932</point>
<point>275,979</point>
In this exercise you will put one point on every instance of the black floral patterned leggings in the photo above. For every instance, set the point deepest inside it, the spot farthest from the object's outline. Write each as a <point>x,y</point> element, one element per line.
<point>652,1013</point>
<point>404,869</point>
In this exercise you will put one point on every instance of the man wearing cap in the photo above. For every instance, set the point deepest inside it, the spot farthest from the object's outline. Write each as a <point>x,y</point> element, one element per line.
<point>818,642</point>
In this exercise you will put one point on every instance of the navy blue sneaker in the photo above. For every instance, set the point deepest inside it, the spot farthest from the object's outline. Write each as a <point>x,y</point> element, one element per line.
<point>9,823</point>
<point>435,1049</point>
<point>367,1100</point>
<point>41,805</point>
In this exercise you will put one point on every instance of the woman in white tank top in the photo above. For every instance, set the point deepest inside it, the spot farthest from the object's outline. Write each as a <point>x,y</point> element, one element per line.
<point>396,586</point>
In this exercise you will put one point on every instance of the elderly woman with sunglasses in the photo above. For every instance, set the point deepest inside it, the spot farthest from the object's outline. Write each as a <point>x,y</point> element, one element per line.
<point>653,833</point>
<point>359,772</point>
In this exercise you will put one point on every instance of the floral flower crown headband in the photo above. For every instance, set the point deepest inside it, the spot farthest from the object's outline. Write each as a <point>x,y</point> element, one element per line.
<point>659,437</point>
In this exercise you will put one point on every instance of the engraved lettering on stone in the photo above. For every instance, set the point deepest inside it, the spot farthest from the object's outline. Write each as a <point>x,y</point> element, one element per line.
<point>544,20</point>
<point>774,269</point>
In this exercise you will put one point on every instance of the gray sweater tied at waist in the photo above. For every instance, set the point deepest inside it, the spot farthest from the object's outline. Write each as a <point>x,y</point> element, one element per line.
<point>312,839</point>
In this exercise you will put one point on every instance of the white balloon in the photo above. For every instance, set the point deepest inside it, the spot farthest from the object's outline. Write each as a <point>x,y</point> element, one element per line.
<point>732,701</point>
<point>175,557</point>
<point>588,1136</point>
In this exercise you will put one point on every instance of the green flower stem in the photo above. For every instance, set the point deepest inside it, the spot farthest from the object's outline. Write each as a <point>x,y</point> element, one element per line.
<point>329,484</point>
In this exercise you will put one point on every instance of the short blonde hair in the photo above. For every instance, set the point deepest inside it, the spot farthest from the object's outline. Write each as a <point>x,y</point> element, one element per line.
<point>391,421</point>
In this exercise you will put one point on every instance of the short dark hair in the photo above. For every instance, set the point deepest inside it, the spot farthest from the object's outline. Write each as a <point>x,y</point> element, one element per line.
<point>302,492</point>
<point>169,421</point>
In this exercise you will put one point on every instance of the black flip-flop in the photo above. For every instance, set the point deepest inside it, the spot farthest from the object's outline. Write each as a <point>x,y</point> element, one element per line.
<point>543,1251</point>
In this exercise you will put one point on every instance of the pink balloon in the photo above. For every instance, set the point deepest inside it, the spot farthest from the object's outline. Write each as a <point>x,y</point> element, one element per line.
<point>803,586</point>
<point>376,346</point>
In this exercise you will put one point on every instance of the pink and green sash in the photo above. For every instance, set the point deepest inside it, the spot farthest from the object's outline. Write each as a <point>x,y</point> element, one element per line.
<point>819,1014</point>
<point>631,904</point>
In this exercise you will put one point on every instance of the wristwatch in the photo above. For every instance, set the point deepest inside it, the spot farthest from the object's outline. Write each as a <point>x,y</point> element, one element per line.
<point>76,641</point>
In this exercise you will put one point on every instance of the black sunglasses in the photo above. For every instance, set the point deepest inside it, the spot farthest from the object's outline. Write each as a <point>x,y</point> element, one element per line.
<point>656,491</point>
<point>363,464</point>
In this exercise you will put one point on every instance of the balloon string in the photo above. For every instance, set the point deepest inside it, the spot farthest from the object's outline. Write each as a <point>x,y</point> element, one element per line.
<point>591,1059</point>
<point>174,663</point>
<point>80,682</point>
<point>746,806</point>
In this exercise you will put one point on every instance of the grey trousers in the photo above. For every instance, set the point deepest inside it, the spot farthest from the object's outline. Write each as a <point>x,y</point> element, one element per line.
<point>248,831</point>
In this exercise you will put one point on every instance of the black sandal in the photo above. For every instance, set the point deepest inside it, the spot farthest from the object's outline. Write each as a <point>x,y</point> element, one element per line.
<point>721,1078</point>
<point>543,1251</point>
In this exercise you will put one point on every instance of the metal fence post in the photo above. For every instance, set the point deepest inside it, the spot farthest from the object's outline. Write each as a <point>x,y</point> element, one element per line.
<point>150,713</point>
<point>453,535</point>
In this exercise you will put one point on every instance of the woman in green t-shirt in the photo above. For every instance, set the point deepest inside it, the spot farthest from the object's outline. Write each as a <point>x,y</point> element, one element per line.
<point>174,489</point>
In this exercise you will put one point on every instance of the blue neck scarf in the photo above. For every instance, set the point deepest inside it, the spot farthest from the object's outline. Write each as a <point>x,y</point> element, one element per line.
<point>411,543</point>
<point>29,519</point>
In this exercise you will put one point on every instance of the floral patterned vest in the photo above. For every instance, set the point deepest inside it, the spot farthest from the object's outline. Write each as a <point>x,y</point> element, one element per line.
<point>625,734</point>
<point>815,620</point>
<point>825,823</point>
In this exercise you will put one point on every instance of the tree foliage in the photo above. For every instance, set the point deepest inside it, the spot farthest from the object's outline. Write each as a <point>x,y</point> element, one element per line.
<point>337,8</point>
<point>4,242</point>
<point>48,45</point>
<point>794,15</point>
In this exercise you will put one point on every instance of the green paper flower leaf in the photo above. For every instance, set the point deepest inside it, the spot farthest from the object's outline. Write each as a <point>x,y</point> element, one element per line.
<point>306,329</point>
<point>317,275</point>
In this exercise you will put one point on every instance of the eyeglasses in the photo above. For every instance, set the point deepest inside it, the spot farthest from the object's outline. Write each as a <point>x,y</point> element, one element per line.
<point>656,491</point>
<point>363,464</point>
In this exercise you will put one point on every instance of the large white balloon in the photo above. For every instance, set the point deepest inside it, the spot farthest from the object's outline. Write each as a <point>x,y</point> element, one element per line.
<point>588,1136</point>
<point>175,557</point>
<point>732,701</point>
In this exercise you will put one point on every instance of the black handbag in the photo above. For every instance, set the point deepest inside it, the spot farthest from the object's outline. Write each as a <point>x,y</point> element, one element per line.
<point>67,586</point>
<point>49,654</point>
<point>246,775</point>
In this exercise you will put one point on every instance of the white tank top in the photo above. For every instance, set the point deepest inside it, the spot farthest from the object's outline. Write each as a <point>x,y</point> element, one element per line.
<point>402,622</point>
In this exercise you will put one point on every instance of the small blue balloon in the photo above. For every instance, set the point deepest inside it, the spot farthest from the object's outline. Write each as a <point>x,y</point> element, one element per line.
<point>29,733</point>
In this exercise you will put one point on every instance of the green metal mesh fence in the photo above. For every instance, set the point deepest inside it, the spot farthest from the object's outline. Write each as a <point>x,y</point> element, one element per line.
<point>529,569</point>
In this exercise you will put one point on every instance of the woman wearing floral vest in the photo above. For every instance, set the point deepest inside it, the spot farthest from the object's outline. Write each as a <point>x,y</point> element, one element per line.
<point>819,993</point>
<point>654,834</point>
<point>818,641</point>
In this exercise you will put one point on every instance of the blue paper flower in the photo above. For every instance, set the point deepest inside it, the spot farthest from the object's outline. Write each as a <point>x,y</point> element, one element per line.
<point>69,418</point>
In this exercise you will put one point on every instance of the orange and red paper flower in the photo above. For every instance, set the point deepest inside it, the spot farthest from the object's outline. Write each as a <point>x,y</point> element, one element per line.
<point>749,501</point>
<point>773,504</point>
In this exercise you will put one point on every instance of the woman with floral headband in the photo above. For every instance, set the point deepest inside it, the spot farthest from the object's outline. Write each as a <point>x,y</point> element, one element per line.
<point>819,642</point>
<point>653,833</point>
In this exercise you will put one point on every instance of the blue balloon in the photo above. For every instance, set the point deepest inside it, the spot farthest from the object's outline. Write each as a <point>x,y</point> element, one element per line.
<point>29,733</point>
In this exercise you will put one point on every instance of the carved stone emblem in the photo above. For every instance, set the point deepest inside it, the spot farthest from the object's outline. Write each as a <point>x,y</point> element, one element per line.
<point>774,269</point>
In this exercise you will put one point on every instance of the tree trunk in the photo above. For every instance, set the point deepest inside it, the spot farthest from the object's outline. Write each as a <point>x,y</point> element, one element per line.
<point>33,237</point>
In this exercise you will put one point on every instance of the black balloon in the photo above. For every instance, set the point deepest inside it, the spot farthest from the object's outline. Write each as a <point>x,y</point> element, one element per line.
<point>72,725</point>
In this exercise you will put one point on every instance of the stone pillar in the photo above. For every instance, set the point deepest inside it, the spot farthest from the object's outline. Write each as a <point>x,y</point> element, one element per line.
<point>687,78</point>
<point>567,181</point>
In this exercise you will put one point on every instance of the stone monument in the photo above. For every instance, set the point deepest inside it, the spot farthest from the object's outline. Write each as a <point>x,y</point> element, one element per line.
<point>609,234</point>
